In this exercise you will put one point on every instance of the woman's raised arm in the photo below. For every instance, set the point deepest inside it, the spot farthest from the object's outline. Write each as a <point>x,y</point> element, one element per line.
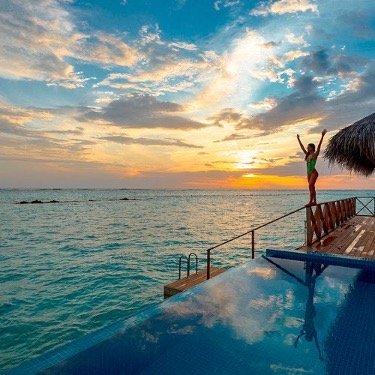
<point>301,145</point>
<point>324,132</point>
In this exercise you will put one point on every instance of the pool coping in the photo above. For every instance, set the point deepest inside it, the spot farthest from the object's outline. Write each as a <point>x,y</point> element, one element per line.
<point>326,258</point>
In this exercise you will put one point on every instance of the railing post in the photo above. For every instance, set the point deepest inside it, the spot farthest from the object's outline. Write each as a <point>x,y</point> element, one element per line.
<point>252,244</point>
<point>208,264</point>
<point>353,206</point>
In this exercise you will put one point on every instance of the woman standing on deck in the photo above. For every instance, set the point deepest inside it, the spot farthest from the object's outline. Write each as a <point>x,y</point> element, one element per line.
<point>311,155</point>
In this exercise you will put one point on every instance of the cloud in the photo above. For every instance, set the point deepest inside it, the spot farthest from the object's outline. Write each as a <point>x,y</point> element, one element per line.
<point>38,41</point>
<point>125,140</point>
<point>167,66</point>
<point>306,104</point>
<point>294,39</point>
<point>13,119</point>
<point>276,68</point>
<point>236,70</point>
<point>180,68</point>
<point>351,105</point>
<point>170,76</point>
<point>293,55</point>
<point>281,7</point>
<point>142,111</point>
<point>234,137</point>
<point>230,116</point>
<point>182,45</point>
<point>16,135</point>
<point>73,81</point>
<point>292,108</point>
<point>77,131</point>
<point>150,34</point>
<point>219,4</point>
<point>322,63</point>
<point>105,49</point>
<point>271,44</point>
<point>33,39</point>
<point>265,104</point>
<point>16,140</point>
<point>105,97</point>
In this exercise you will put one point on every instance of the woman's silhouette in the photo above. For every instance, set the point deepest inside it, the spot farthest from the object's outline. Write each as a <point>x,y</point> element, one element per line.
<point>308,329</point>
<point>311,155</point>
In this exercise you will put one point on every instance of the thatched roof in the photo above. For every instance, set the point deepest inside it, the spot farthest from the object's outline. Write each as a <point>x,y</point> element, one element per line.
<point>353,147</point>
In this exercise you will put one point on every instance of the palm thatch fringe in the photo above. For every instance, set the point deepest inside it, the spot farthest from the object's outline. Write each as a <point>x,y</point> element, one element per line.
<point>353,147</point>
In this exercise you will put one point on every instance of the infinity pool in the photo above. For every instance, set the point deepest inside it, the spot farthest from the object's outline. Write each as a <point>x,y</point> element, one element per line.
<point>269,316</point>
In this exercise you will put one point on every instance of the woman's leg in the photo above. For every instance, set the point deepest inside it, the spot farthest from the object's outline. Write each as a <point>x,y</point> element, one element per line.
<point>310,191</point>
<point>312,180</point>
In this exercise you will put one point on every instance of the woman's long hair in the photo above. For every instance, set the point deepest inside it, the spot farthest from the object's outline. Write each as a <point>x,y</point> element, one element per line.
<point>311,145</point>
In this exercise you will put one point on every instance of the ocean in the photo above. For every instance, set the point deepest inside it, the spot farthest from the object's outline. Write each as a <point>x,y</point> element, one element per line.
<point>92,257</point>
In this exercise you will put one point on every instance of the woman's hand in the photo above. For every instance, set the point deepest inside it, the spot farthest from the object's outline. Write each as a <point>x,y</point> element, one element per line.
<point>324,132</point>
<point>301,145</point>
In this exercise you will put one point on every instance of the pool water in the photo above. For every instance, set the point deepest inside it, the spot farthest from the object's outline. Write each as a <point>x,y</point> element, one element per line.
<point>268,316</point>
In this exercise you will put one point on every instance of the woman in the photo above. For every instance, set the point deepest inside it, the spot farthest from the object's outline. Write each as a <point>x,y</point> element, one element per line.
<point>311,155</point>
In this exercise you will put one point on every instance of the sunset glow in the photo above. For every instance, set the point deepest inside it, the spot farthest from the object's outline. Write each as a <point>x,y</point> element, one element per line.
<point>180,93</point>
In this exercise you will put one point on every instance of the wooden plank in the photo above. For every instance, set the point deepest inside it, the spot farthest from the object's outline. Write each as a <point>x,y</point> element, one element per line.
<point>354,242</point>
<point>346,234</point>
<point>334,242</point>
<point>371,245</point>
<point>363,246</point>
<point>355,237</point>
<point>180,285</point>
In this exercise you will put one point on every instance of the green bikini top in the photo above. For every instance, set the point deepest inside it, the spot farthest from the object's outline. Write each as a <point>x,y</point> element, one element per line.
<point>310,165</point>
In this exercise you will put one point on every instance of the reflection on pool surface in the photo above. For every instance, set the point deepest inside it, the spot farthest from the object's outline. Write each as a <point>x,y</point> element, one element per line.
<point>269,316</point>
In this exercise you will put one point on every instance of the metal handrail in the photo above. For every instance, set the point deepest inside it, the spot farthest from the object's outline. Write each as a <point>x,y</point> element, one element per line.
<point>188,260</point>
<point>180,263</point>
<point>196,263</point>
<point>252,231</point>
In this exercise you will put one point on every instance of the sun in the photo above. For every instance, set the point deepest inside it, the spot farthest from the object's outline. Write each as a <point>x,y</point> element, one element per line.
<point>245,159</point>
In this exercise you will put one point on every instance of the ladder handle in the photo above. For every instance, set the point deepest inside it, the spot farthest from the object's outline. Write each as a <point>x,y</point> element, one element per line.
<point>180,263</point>
<point>196,263</point>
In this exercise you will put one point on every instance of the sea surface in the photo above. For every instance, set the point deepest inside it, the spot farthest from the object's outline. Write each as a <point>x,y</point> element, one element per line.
<point>91,258</point>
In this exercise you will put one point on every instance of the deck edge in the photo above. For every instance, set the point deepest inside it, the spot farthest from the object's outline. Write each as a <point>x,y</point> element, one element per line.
<point>326,258</point>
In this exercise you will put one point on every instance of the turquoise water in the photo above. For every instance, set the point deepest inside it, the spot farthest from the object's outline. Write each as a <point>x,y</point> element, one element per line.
<point>72,267</point>
<point>268,316</point>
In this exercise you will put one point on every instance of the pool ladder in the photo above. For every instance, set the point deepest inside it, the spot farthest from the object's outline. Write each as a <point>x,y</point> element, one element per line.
<point>188,262</point>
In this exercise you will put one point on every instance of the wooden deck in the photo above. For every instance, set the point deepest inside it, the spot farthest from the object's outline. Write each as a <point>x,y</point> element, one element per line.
<point>180,285</point>
<point>331,227</point>
<point>355,237</point>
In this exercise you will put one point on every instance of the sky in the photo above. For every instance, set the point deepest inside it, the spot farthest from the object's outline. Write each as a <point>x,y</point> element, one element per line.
<point>180,93</point>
